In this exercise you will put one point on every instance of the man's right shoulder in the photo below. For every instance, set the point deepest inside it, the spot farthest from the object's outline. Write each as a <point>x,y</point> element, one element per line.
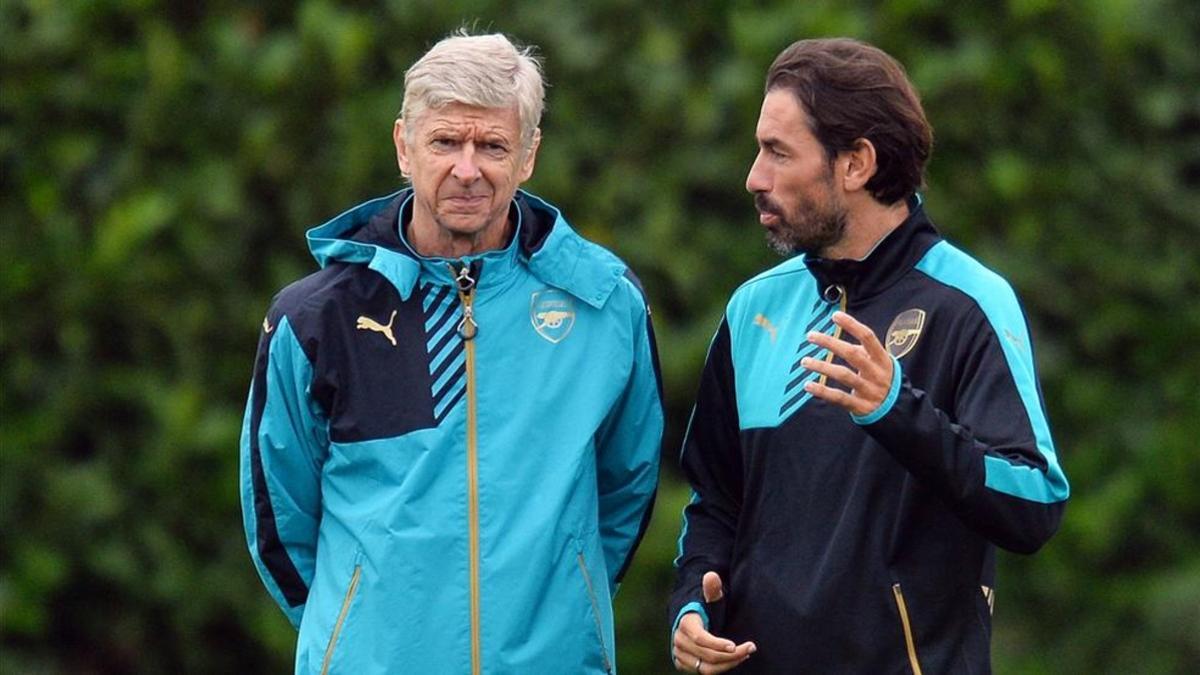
<point>313,290</point>
<point>304,299</point>
<point>784,276</point>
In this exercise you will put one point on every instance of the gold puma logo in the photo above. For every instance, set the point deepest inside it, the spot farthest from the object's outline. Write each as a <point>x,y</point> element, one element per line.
<point>367,323</point>
<point>765,323</point>
<point>267,327</point>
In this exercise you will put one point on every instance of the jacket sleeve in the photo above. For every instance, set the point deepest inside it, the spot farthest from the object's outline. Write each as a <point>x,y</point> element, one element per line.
<point>628,446</point>
<point>711,462</point>
<point>284,443</point>
<point>991,458</point>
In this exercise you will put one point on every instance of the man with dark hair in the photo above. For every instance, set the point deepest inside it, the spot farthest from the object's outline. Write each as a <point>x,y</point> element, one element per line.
<point>869,424</point>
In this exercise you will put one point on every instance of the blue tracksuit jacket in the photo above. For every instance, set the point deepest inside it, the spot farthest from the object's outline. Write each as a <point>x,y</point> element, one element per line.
<point>447,464</point>
<point>866,544</point>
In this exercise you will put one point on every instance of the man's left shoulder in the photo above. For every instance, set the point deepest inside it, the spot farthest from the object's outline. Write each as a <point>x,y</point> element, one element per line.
<point>562,257</point>
<point>617,288</point>
<point>627,289</point>
<point>947,264</point>
<point>982,297</point>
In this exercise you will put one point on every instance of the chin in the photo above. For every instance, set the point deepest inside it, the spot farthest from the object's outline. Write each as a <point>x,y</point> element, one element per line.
<point>463,225</point>
<point>782,248</point>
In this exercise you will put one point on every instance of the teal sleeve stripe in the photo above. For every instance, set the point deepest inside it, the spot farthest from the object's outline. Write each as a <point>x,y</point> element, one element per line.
<point>683,532</point>
<point>690,607</point>
<point>696,607</point>
<point>1026,482</point>
<point>885,407</point>
<point>954,268</point>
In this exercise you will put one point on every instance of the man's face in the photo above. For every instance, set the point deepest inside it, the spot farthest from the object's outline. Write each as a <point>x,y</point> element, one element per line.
<point>465,164</point>
<point>793,182</point>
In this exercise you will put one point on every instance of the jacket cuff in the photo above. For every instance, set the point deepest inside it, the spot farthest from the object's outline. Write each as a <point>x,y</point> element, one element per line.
<point>696,607</point>
<point>889,401</point>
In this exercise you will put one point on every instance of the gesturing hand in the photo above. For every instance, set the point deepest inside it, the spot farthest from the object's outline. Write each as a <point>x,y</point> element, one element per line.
<point>698,651</point>
<point>869,375</point>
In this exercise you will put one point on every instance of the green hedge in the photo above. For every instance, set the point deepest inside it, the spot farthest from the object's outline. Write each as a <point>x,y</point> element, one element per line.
<point>161,161</point>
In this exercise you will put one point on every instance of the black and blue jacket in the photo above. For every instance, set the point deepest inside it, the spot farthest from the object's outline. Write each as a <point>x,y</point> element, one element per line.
<point>866,544</point>
<point>447,464</point>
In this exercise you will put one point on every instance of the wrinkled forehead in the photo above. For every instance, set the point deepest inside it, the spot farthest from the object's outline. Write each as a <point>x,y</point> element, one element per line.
<point>465,117</point>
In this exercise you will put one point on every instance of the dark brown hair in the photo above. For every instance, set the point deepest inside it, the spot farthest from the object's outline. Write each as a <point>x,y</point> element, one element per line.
<point>851,90</point>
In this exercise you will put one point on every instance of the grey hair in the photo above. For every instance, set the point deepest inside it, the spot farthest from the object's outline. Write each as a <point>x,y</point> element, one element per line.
<point>488,71</point>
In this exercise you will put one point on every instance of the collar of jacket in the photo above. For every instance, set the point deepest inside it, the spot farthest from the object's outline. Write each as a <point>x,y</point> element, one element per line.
<point>884,265</point>
<point>545,244</point>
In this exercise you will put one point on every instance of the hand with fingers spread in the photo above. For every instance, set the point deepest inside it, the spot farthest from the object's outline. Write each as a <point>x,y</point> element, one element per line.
<point>696,650</point>
<point>868,375</point>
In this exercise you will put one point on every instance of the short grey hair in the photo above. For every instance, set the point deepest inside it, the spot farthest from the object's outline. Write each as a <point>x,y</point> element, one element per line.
<point>488,71</point>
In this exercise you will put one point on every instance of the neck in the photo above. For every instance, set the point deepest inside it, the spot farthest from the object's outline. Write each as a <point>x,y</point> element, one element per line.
<point>867,223</point>
<point>432,241</point>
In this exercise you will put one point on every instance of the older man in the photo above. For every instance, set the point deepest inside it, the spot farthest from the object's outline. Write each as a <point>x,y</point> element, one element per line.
<point>451,446</point>
<point>869,425</point>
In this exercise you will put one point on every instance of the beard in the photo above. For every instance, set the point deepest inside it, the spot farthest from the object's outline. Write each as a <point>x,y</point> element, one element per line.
<point>810,228</point>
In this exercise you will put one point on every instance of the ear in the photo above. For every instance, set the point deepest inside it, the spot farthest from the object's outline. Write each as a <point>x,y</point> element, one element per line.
<point>858,165</point>
<point>401,147</point>
<point>530,158</point>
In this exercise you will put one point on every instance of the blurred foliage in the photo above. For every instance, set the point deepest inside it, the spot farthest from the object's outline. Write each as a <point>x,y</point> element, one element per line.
<point>161,160</point>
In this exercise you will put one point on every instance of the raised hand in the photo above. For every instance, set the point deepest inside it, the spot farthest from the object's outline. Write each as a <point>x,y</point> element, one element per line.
<point>868,376</point>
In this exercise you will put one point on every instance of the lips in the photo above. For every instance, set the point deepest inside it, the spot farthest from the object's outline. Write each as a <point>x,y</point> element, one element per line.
<point>768,213</point>
<point>466,204</point>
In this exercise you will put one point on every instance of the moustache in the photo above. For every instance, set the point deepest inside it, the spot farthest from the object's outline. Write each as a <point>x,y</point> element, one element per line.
<point>765,205</point>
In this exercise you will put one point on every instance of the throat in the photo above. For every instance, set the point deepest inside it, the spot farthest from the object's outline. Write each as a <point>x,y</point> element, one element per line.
<point>443,240</point>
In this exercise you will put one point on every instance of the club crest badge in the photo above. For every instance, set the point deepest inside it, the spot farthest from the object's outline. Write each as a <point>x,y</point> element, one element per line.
<point>904,332</point>
<point>552,313</point>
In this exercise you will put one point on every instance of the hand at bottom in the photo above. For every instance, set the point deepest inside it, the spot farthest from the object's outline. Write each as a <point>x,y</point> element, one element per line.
<point>698,651</point>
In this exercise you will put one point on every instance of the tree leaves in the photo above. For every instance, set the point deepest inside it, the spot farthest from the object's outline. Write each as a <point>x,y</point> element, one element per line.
<point>161,162</point>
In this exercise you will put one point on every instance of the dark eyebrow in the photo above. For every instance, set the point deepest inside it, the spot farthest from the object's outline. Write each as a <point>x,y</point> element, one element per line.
<point>772,143</point>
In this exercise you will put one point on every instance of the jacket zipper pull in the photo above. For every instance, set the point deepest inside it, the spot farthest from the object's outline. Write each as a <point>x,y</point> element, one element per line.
<point>834,294</point>
<point>467,328</point>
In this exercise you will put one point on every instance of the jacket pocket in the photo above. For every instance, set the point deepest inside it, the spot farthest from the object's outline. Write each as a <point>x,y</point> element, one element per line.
<point>591,591</point>
<point>341,619</point>
<point>910,642</point>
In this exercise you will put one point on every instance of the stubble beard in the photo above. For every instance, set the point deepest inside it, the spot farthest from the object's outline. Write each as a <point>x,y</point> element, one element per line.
<point>809,230</point>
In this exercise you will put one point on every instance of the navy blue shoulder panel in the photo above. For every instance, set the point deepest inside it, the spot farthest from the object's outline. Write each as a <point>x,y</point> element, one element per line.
<point>368,351</point>
<point>382,229</point>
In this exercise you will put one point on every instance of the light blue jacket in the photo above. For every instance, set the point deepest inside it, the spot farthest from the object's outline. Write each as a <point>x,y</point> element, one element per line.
<point>446,477</point>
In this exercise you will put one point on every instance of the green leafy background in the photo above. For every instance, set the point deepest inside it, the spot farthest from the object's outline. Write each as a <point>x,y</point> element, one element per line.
<point>161,161</point>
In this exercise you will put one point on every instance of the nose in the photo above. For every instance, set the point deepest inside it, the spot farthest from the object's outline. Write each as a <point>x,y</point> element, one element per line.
<point>757,180</point>
<point>466,170</point>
